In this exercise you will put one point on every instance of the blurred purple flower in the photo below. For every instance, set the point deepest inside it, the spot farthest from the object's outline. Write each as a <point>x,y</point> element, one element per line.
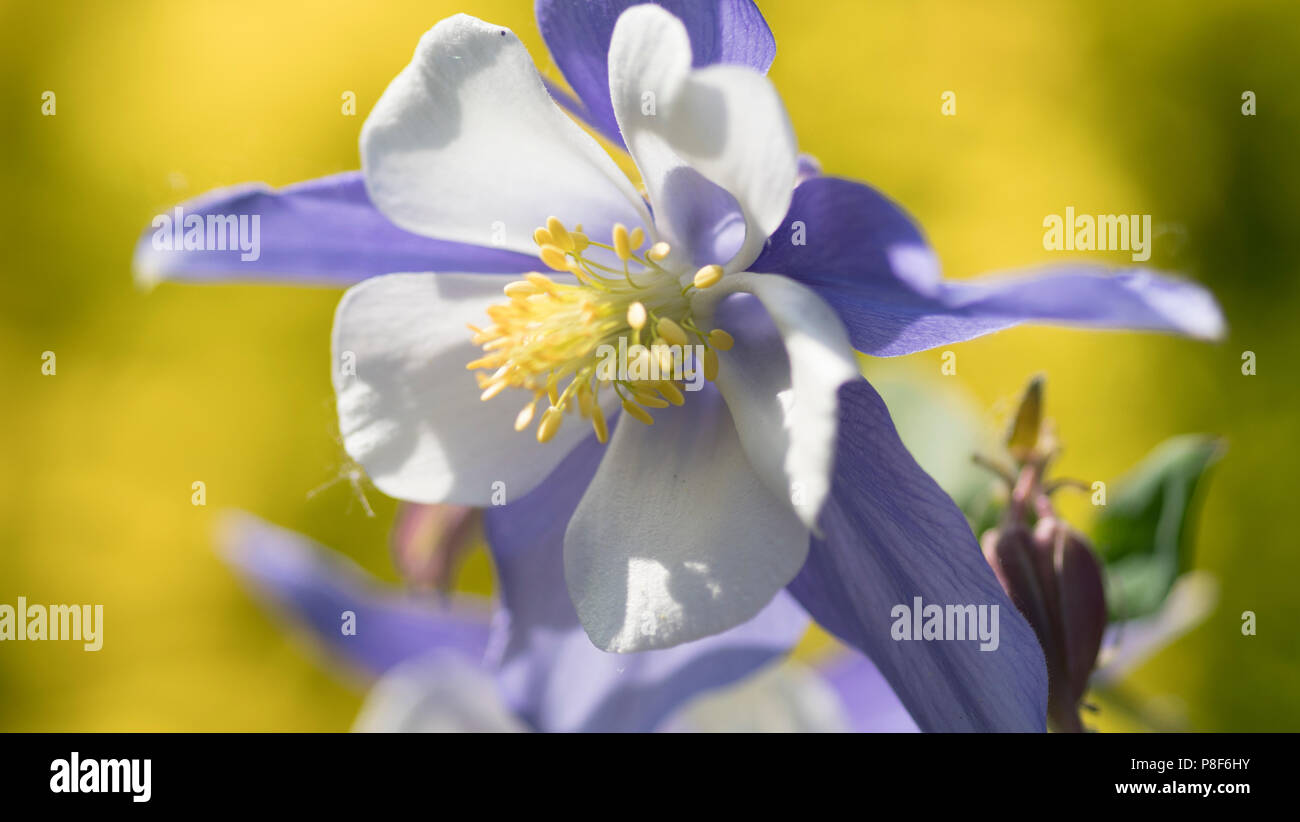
<point>443,657</point>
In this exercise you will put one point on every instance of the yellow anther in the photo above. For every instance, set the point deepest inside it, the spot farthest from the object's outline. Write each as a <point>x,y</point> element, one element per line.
<point>658,251</point>
<point>525,417</point>
<point>636,315</point>
<point>671,392</point>
<point>539,282</point>
<point>550,424</point>
<point>560,233</point>
<point>666,360</point>
<point>710,365</point>
<point>636,238</point>
<point>708,276</point>
<point>520,289</point>
<point>621,246</point>
<point>721,340</point>
<point>644,397</point>
<point>555,258</point>
<point>637,412</point>
<point>543,237</point>
<point>671,332</point>
<point>492,390</point>
<point>580,242</point>
<point>598,423</point>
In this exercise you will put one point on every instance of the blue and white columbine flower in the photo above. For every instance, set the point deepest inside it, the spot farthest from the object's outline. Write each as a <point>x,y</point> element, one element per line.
<point>785,471</point>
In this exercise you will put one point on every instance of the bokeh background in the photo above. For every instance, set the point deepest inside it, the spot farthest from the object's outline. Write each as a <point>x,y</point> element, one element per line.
<point>1112,107</point>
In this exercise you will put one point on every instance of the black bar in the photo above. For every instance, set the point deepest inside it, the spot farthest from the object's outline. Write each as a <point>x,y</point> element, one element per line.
<point>478,773</point>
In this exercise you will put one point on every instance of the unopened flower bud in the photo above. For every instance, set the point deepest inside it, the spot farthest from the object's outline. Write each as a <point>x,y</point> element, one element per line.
<point>1081,604</point>
<point>1055,581</point>
<point>1022,437</point>
<point>1010,550</point>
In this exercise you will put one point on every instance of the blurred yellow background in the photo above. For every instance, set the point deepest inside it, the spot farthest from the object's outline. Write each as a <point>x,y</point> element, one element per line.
<point>1111,107</point>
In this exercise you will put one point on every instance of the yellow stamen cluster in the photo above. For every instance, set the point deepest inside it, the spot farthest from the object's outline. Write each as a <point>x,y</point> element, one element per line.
<point>545,338</point>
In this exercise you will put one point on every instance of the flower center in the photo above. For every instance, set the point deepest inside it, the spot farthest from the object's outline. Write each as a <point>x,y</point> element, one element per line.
<point>625,326</point>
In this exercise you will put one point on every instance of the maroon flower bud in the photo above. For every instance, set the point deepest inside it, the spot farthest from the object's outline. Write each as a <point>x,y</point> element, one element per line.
<point>1010,550</point>
<point>1081,605</point>
<point>1055,581</point>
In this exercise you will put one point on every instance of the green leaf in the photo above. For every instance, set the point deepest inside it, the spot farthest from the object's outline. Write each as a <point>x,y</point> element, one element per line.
<point>1146,532</point>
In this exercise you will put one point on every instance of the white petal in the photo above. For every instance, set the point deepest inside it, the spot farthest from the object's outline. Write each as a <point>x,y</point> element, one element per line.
<point>466,144</point>
<point>676,538</point>
<point>781,382</point>
<point>725,122</point>
<point>409,410</point>
<point>440,693</point>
